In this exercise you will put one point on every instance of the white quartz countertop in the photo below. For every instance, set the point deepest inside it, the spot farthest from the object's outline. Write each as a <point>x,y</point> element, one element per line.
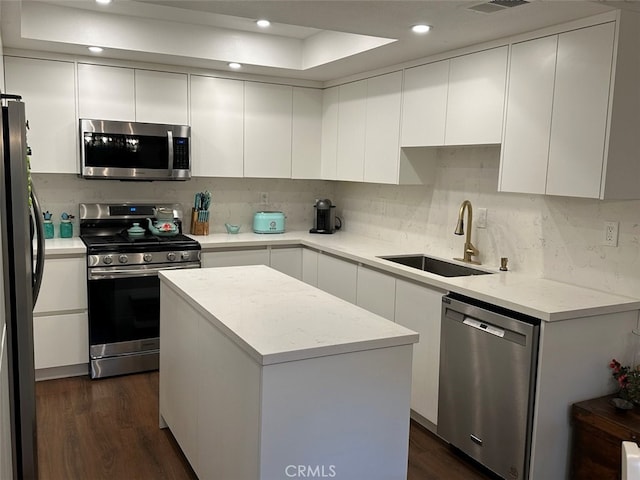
<point>276,318</point>
<point>546,299</point>
<point>54,247</point>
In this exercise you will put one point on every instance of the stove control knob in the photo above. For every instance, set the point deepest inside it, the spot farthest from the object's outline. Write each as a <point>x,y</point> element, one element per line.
<point>108,260</point>
<point>147,257</point>
<point>185,256</point>
<point>123,259</point>
<point>171,256</point>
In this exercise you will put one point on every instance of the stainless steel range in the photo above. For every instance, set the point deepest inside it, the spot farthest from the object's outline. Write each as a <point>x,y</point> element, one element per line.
<point>123,285</point>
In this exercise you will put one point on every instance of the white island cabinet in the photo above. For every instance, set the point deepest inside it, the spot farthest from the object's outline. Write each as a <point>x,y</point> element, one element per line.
<point>262,375</point>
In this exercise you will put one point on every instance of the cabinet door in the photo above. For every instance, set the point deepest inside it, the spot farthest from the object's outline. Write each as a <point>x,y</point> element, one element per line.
<point>61,340</point>
<point>306,132</point>
<point>376,292</point>
<point>525,147</point>
<point>161,97</point>
<point>267,129</point>
<point>64,286</point>
<point>232,258</point>
<point>329,145</point>
<point>580,111</point>
<point>424,104</point>
<point>382,136</point>
<point>179,368</point>
<point>217,127</point>
<point>419,308</point>
<point>106,93</point>
<point>48,91</point>
<point>287,260</point>
<point>351,131</point>
<point>338,277</point>
<point>476,98</point>
<point>310,267</point>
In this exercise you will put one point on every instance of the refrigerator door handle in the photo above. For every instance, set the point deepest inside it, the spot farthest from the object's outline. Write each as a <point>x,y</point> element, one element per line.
<point>39,268</point>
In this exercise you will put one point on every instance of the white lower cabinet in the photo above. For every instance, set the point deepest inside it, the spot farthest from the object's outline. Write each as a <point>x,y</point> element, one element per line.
<point>60,317</point>
<point>376,292</point>
<point>419,308</point>
<point>337,277</point>
<point>61,340</point>
<point>310,266</point>
<point>233,258</point>
<point>287,260</point>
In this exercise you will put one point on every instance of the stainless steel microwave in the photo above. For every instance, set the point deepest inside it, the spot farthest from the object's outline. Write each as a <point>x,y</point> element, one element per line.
<point>134,151</point>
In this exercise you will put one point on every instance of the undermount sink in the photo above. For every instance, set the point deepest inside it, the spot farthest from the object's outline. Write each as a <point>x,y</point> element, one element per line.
<point>435,266</point>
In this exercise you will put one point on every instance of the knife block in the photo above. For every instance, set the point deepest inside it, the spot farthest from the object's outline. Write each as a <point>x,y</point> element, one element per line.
<point>198,228</point>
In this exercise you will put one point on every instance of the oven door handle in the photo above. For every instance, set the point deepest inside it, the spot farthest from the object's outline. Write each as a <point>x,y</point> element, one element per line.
<point>114,273</point>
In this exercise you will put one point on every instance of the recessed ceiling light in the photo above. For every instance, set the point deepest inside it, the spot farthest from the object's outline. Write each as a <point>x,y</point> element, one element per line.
<point>95,49</point>
<point>103,2</point>
<point>235,65</point>
<point>421,28</point>
<point>262,23</point>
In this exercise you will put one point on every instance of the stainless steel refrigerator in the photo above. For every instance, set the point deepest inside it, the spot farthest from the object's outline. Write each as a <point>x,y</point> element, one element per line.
<point>20,222</point>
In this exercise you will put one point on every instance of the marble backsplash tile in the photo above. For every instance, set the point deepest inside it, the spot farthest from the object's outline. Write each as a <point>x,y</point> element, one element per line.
<point>234,199</point>
<point>554,237</point>
<point>558,238</point>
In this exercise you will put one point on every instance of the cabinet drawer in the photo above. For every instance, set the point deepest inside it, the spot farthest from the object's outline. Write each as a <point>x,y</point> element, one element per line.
<point>61,340</point>
<point>64,286</point>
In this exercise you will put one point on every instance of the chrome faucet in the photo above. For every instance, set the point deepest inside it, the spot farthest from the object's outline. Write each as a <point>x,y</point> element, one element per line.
<point>469,249</point>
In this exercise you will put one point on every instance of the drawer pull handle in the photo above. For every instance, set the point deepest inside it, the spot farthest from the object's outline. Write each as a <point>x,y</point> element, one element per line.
<point>475,439</point>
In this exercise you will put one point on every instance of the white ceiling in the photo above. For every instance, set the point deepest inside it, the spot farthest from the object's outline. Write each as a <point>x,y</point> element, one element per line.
<point>309,39</point>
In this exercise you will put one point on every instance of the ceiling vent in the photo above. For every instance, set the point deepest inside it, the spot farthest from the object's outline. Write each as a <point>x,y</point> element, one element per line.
<point>496,5</point>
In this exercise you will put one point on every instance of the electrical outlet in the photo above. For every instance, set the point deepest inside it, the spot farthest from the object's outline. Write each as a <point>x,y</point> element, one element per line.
<point>481,220</point>
<point>610,234</point>
<point>264,198</point>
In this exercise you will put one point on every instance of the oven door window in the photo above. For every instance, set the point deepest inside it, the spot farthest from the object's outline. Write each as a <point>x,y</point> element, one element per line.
<point>124,309</point>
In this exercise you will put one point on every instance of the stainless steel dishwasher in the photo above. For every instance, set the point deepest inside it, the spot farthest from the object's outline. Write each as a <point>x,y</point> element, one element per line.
<point>488,358</point>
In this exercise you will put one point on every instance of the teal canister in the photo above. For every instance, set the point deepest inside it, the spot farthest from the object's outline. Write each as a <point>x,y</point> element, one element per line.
<point>66,227</point>
<point>48,225</point>
<point>48,229</point>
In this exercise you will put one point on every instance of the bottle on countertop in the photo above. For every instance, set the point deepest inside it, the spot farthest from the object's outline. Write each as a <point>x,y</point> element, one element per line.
<point>66,227</point>
<point>48,225</point>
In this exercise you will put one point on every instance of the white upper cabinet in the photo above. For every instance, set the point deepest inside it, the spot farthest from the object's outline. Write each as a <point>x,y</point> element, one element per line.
<point>306,133</point>
<point>267,130</point>
<point>48,90</point>
<point>579,116</point>
<point>525,146</point>
<point>329,141</point>
<point>568,113</point>
<point>424,104</point>
<point>475,99</point>
<point>106,93</point>
<point>352,112</point>
<point>217,127</point>
<point>382,128</point>
<point>115,93</point>
<point>161,97</point>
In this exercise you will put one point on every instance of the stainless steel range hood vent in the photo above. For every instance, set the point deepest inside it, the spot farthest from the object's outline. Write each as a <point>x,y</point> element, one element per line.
<point>496,5</point>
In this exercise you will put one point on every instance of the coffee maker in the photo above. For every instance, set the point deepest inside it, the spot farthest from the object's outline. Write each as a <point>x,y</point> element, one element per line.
<point>324,220</point>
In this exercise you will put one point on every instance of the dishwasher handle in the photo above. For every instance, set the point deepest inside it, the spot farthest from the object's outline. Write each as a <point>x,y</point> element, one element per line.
<point>485,327</point>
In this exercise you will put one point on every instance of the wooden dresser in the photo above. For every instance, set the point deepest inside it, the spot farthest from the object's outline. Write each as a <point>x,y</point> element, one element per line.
<point>598,432</point>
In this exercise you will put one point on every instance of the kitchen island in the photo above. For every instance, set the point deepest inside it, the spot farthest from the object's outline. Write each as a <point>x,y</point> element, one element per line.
<point>264,377</point>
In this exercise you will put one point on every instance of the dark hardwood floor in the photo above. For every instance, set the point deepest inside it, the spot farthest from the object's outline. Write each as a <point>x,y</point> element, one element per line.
<point>108,429</point>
